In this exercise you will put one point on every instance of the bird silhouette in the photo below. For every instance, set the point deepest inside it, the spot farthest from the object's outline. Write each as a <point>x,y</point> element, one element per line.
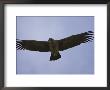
<point>54,46</point>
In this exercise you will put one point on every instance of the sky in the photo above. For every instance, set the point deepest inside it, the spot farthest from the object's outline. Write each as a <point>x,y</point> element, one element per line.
<point>76,60</point>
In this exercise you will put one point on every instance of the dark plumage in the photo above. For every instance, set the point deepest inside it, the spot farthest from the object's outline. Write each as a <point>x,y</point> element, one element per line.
<point>54,49</point>
<point>54,46</point>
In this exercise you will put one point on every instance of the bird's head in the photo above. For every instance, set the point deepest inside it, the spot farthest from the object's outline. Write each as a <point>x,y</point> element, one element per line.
<point>51,39</point>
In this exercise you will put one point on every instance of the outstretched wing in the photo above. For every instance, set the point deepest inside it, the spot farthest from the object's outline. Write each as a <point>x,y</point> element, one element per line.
<point>32,45</point>
<point>75,40</point>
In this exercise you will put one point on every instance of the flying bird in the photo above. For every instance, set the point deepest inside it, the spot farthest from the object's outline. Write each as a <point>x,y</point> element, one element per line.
<point>54,46</point>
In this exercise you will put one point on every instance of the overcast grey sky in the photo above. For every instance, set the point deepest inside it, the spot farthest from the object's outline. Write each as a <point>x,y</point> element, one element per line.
<point>77,60</point>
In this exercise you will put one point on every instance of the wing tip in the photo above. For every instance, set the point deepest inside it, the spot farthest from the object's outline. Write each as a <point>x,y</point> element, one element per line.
<point>19,44</point>
<point>89,36</point>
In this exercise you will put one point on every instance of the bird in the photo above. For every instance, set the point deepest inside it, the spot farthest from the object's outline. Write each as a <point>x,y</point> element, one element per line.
<point>54,46</point>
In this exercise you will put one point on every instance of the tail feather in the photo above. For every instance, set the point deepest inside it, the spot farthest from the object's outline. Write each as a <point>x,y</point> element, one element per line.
<point>55,56</point>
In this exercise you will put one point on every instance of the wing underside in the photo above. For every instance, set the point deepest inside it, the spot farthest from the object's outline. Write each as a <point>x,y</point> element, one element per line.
<point>66,43</point>
<point>75,40</point>
<point>32,45</point>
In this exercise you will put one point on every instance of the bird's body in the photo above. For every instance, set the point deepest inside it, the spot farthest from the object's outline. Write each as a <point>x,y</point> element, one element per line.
<point>54,46</point>
<point>54,49</point>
